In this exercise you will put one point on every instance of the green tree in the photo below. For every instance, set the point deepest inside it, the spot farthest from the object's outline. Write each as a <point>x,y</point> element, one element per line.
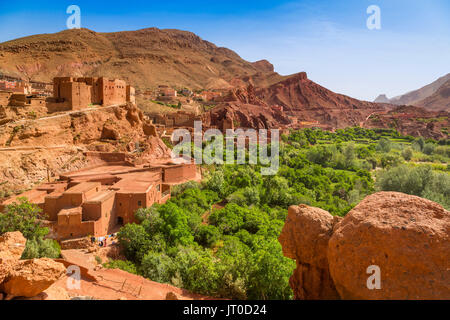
<point>135,241</point>
<point>158,267</point>
<point>175,225</point>
<point>269,279</point>
<point>25,217</point>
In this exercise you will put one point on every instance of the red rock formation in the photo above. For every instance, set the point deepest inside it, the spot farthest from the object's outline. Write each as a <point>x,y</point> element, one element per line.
<point>410,120</point>
<point>31,277</point>
<point>24,278</point>
<point>305,238</point>
<point>407,237</point>
<point>308,101</point>
<point>12,245</point>
<point>239,115</point>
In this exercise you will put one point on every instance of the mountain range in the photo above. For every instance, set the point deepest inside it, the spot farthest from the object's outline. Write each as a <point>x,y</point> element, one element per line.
<point>150,57</point>
<point>146,58</point>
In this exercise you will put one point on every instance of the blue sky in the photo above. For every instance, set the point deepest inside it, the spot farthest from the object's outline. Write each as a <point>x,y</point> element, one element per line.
<point>327,39</point>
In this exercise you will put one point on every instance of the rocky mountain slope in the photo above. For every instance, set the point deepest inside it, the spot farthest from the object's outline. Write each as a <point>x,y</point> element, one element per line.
<point>416,97</point>
<point>410,120</point>
<point>145,58</point>
<point>440,100</point>
<point>308,101</point>
<point>150,57</point>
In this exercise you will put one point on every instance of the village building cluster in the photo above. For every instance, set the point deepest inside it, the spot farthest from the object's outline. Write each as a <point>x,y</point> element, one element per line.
<point>66,93</point>
<point>78,93</point>
<point>97,200</point>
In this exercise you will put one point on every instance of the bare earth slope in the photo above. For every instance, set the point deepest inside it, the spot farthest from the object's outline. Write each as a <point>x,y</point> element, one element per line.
<point>438,101</point>
<point>145,58</point>
<point>415,97</point>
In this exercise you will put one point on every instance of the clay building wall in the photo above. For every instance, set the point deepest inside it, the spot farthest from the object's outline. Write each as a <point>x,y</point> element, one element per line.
<point>131,94</point>
<point>114,91</point>
<point>71,225</point>
<point>73,197</point>
<point>107,156</point>
<point>101,208</point>
<point>77,94</point>
<point>57,85</point>
<point>178,173</point>
<point>127,204</point>
<point>95,88</point>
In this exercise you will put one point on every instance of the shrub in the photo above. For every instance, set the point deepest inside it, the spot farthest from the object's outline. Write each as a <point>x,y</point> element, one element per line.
<point>428,148</point>
<point>39,248</point>
<point>407,153</point>
<point>420,181</point>
<point>384,145</point>
<point>127,266</point>
<point>157,267</point>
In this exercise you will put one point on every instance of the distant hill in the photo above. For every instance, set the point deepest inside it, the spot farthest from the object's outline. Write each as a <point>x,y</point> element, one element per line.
<point>438,101</point>
<point>382,98</point>
<point>416,97</point>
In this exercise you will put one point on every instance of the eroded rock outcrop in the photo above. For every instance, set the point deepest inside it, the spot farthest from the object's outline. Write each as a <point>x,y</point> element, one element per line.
<point>305,238</point>
<point>12,245</point>
<point>405,236</point>
<point>24,278</point>
<point>31,277</point>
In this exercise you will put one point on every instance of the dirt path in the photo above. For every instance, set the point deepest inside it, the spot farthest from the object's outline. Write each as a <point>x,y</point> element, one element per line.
<point>26,148</point>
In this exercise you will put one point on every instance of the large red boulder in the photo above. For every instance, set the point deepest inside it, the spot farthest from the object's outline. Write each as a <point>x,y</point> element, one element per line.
<point>406,237</point>
<point>31,277</point>
<point>390,246</point>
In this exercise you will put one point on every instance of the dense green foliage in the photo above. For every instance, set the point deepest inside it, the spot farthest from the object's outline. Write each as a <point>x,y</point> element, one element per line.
<point>421,181</point>
<point>26,218</point>
<point>219,237</point>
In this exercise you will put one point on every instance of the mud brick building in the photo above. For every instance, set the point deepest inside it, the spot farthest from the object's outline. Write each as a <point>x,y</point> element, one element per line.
<point>176,120</point>
<point>97,200</point>
<point>78,93</point>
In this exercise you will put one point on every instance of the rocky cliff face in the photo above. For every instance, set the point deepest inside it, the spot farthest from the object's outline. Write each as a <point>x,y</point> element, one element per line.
<point>406,237</point>
<point>307,101</point>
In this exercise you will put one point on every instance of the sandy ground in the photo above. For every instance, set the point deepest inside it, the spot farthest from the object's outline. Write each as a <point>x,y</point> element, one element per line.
<point>113,284</point>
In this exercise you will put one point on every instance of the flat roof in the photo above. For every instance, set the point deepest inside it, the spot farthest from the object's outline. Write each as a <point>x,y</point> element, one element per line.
<point>101,196</point>
<point>83,187</point>
<point>137,182</point>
